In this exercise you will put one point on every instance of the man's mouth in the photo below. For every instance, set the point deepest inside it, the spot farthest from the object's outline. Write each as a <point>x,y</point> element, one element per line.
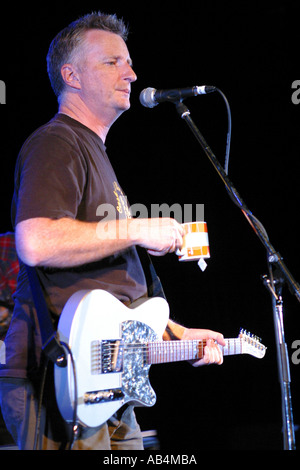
<point>125,90</point>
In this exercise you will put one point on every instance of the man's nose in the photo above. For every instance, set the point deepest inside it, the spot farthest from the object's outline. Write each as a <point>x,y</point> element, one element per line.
<point>129,73</point>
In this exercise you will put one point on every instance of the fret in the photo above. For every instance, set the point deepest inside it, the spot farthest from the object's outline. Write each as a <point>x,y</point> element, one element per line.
<point>233,346</point>
<point>174,351</point>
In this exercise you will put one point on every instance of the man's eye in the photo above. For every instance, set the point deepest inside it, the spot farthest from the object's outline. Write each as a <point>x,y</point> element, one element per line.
<point>111,62</point>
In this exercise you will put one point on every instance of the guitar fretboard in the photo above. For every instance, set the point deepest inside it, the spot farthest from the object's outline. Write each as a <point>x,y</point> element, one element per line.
<point>174,351</point>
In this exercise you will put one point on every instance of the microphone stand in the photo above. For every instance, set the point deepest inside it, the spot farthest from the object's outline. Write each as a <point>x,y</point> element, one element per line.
<point>278,274</point>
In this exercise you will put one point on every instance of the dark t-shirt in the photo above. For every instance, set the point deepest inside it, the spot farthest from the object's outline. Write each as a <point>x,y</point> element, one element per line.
<point>63,171</point>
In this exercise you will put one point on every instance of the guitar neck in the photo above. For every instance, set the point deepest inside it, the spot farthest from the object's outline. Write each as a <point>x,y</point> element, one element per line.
<point>175,351</point>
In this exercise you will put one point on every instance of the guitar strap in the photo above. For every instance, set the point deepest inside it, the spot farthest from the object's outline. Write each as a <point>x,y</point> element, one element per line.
<point>155,288</point>
<point>50,343</point>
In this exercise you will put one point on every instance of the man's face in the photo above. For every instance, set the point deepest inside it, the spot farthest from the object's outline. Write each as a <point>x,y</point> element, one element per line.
<point>105,74</point>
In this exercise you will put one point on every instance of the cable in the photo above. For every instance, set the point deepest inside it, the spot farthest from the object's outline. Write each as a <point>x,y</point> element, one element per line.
<point>39,408</point>
<point>74,419</point>
<point>248,214</point>
<point>41,394</point>
<point>228,140</point>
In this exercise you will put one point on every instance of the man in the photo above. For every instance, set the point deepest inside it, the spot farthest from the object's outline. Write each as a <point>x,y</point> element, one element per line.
<point>63,175</point>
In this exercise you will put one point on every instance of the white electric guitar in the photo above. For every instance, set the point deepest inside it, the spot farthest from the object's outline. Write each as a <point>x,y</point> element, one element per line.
<point>113,347</point>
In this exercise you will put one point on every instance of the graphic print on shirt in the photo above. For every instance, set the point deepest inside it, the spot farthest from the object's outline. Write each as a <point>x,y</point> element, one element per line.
<point>122,204</point>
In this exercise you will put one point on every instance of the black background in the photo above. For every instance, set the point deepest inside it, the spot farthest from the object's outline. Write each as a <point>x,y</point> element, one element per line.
<point>249,51</point>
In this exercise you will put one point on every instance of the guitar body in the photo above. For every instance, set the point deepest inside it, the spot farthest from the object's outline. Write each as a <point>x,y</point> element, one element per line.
<point>110,350</point>
<point>98,329</point>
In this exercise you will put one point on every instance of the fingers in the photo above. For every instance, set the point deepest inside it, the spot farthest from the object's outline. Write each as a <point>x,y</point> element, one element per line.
<point>212,353</point>
<point>165,235</point>
<point>213,349</point>
<point>218,337</point>
<point>176,238</point>
<point>196,333</point>
<point>172,231</point>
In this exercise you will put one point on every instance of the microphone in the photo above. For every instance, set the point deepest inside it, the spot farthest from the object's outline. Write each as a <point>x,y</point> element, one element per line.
<point>151,97</point>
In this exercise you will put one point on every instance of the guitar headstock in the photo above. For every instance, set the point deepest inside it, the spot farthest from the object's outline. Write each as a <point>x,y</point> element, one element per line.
<point>251,344</point>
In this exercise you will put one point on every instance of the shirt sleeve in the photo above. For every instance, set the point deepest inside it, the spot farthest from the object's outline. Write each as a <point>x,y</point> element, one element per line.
<point>51,177</point>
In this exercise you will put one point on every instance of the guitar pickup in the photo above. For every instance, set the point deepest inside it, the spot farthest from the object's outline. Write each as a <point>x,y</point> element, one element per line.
<point>107,356</point>
<point>103,396</point>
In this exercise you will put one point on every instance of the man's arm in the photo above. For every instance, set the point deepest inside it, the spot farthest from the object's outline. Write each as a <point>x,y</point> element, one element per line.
<point>67,242</point>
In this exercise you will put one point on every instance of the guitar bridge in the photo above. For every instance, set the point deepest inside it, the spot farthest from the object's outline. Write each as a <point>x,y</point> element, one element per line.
<point>107,356</point>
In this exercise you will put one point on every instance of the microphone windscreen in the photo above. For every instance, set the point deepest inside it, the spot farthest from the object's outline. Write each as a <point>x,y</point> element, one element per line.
<point>147,98</point>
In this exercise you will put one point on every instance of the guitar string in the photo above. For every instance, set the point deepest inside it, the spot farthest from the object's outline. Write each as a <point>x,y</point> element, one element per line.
<point>162,349</point>
<point>154,344</point>
<point>180,344</point>
<point>194,351</point>
<point>170,344</point>
<point>177,346</point>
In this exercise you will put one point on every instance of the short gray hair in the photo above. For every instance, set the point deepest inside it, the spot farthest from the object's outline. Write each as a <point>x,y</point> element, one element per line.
<point>67,41</point>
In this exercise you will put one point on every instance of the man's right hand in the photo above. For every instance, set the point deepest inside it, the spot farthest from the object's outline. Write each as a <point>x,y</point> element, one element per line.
<point>158,235</point>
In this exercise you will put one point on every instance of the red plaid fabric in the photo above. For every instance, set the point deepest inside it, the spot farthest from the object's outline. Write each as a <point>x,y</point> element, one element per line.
<point>9,266</point>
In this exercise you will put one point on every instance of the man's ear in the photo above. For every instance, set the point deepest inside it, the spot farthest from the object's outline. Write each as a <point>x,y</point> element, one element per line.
<point>70,76</point>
